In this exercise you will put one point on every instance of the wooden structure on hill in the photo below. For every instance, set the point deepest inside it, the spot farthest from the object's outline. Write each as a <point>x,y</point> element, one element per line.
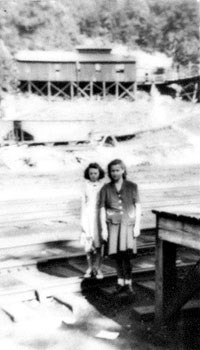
<point>86,72</point>
<point>46,131</point>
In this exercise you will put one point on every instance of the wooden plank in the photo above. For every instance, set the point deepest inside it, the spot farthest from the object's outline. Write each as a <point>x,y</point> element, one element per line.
<point>187,225</point>
<point>121,298</point>
<point>165,277</point>
<point>146,313</point>
<point>186,239</point>
<point>187,288</point>
<point>150,285</point>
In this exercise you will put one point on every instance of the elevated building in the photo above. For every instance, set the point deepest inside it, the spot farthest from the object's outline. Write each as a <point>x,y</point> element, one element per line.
<point>85,72</point>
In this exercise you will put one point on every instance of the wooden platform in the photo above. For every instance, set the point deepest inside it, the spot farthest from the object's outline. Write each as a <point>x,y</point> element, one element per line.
<point>147,313</point>
<point>33,221</point>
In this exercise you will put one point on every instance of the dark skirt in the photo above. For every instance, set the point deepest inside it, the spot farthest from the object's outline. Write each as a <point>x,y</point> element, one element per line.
<point>120,239</point>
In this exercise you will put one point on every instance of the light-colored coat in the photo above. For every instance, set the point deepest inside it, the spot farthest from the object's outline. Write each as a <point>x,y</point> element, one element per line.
<point>90,212</point>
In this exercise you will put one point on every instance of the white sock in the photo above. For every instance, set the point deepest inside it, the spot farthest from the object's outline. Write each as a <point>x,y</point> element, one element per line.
<point>128,282</point>
<point>120,281</point>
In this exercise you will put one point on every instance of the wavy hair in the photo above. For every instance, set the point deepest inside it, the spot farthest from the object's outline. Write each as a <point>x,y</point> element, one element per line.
<point>117,162</point>
<point>94,166</point>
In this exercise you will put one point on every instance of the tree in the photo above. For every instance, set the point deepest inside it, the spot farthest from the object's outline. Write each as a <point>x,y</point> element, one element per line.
<point>8,77</point>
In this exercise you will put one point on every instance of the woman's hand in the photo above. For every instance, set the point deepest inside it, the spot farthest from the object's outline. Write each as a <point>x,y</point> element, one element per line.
<point>136,231</point>
<point>104,234</point>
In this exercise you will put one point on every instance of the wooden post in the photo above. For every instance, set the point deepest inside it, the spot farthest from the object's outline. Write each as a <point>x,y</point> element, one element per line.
<point>194,97</point>
<point>117,89</point>
<point>188,287</point>
<point>49,90</point>
<point>165,276</point>
<point>104,89</point>
<point>71,90</point>
<point>29,87</point>
<point>91,89</point>
<point>135,89</point>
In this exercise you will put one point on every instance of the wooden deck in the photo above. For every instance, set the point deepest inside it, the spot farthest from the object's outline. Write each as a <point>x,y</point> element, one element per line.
<point>33,221</point>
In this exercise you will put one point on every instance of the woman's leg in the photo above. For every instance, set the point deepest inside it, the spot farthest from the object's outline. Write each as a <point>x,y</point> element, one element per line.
<point>119,268</point>
<point>127,268</point>
<point>90,265</point>
<point>99,274</point>
<point>128,272</point>
<point>98,258</point>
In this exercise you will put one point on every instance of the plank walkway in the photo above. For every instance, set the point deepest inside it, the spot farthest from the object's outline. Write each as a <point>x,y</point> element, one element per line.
<point>35,230</point>
<point>52,219</point>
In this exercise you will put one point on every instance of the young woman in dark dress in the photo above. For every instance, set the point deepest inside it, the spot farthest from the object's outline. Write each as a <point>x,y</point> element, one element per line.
<point>120,213</point>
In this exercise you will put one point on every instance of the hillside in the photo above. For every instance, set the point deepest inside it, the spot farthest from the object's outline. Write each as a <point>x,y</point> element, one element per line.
<point>166,142</point>
<point>166,26</point>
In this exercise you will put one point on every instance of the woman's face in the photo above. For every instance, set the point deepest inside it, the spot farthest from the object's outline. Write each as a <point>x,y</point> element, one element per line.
<point>116,172</point>
<point>94,174</point>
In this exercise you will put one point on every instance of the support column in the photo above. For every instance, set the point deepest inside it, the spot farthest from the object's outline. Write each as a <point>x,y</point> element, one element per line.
<point>135,89</point>
<point>29,87</point>
<point>104,89</point>
<point>184,293</point>
<point>165,277</point>
<point>71,90</point>
<point>91,89</point>
<point>49,89</point>
<point>117,90</point>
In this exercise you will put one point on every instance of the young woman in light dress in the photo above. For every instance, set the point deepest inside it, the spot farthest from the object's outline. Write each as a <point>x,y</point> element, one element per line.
<point>90,225</point>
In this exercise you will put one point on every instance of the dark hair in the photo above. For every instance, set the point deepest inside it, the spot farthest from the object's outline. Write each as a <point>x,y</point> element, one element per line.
<point>117,162</point>
<point>94,166</point>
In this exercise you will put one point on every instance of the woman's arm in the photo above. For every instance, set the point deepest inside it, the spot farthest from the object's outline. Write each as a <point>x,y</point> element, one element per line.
<point>83,211</point>
<point>136,229</point>
<point>104,230</point>
<point>102,213</point>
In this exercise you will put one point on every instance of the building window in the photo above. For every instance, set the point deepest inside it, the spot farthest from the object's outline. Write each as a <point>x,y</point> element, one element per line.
<point>57,68</point>
<point>97,67</point>
<point>119,68</point>
<point>78,66</point>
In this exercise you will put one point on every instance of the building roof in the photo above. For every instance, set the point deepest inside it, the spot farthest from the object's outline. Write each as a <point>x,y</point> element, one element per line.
<point>69,56</point>
<point>46,56</point>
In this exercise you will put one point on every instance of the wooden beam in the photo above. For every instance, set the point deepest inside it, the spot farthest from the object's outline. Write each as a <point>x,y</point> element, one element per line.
<point>29,87</point>
<point>165,276</point>
<point>135,89</point>
<point>37,89</point>
<point>60,91</point>
<point>24,85</point>
<point>104,89</point>
<point>180,238</point>
<point>71,90</point>
<point>99,88</point>
<point>180,223</point>
<point>117,89</point>
<point>91,89</point>
<point>109,87</point>
<point>183,294</point>
<point>80,90</point>
<point>126,91</point>
<point>194,97</point>
<point>49,89</point>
